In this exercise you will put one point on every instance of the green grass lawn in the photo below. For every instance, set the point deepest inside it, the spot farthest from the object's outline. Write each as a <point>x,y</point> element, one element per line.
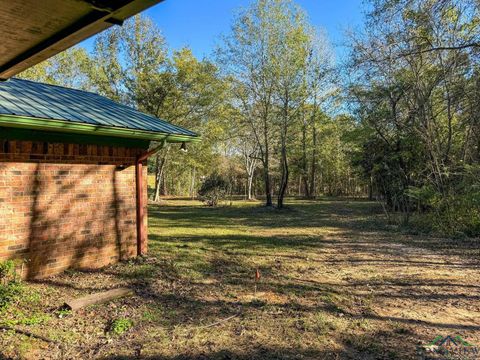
<point>336,283</point>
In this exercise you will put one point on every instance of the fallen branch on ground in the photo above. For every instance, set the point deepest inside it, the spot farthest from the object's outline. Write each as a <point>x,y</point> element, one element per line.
<point>97,298</point>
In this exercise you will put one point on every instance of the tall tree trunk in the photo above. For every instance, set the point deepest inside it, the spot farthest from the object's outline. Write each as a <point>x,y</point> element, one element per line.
<point>306,185</point>
<point>164,187</point>
<point>284,178</point>
<point>192,184</point>
<point>283,159</point>
<point>268,187</point>
<point>249,186</point>
<point>370,188</point>
<point>266,168</point>
<point>313,170</point>
<point>159,176</point>
<point>250,162</point>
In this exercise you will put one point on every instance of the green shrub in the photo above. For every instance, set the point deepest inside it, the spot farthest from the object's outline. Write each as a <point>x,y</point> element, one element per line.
<point>214,189</point>
<point>457,212</point>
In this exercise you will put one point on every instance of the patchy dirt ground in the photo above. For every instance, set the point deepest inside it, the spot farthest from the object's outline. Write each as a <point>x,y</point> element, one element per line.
<point>336,283</point>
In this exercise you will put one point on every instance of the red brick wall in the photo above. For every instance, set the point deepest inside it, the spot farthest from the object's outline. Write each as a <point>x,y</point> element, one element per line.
<point>66,205</point>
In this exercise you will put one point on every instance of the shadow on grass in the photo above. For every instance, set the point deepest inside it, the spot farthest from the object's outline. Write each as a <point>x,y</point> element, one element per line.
<point>373,345</point>
<point>349,218</point>
<point>202,265</point>
<point>302,214</point>
<point>259,353</point>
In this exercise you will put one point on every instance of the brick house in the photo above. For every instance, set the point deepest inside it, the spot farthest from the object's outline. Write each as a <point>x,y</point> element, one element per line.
<point>72,176</point>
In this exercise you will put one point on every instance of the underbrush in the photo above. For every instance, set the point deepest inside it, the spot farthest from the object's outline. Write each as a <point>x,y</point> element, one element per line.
<point>452,210</point>
<point>458,215</point>
<point>453,219</point>
<point>17,301</point>
<point>11,287</point>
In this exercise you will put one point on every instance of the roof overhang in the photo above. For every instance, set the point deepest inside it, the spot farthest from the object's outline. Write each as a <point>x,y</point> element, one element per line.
<point>35,30</point>
<point>60,126</point>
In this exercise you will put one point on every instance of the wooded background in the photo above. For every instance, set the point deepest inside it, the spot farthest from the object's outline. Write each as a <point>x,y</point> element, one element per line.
<point>279,116</point>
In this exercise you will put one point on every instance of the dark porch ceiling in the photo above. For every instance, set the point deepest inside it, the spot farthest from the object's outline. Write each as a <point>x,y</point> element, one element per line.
<point>34,30</point>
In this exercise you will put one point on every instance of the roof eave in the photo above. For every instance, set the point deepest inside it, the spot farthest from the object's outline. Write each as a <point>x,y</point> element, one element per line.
<point>98,20</point>
<point>23,122</point>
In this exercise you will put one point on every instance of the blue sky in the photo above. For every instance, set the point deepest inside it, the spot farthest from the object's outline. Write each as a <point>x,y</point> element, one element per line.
<point>199,23</point>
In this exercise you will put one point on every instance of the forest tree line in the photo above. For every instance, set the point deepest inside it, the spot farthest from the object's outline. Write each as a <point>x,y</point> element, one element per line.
<point>279,116</point>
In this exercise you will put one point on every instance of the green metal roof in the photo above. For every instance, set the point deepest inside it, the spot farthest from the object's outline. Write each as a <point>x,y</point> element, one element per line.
<point>37,106</point>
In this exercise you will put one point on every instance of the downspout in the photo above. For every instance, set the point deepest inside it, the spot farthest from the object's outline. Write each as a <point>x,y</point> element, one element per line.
<point>140,203</point>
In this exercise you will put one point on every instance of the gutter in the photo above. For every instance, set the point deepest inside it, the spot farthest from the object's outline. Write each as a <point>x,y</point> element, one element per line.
<point>23,122</point>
